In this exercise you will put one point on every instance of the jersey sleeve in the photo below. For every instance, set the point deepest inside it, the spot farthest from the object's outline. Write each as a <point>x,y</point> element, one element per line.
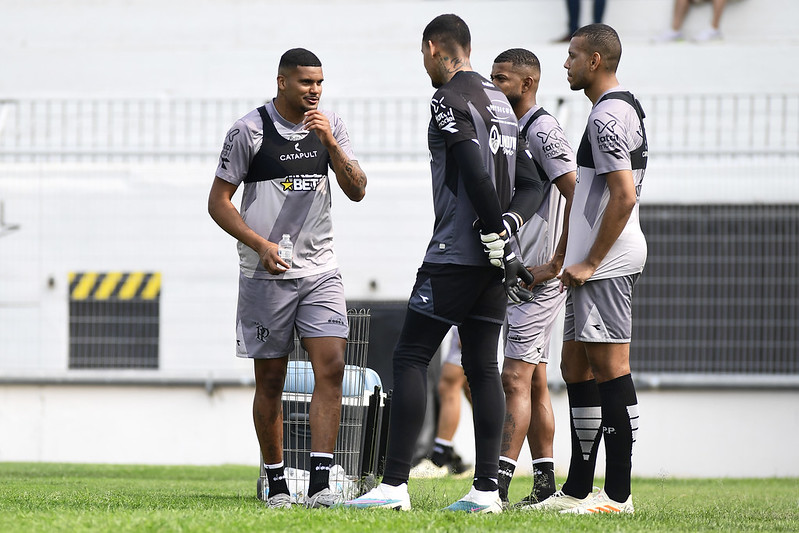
<point>452,118</point>
<point>341,134</point>
<point>609,128</point>
<point>550,148</point>
<point>238,150</point>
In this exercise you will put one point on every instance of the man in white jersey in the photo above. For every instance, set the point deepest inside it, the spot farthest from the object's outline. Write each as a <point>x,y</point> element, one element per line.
<point>281,152</point>
<point>605,256</point>
<point>540,241</point>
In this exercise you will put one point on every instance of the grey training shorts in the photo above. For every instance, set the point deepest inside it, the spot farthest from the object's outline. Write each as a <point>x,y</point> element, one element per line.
<point>530,324</point>
<point>600,311</point>
<point>270,310</point>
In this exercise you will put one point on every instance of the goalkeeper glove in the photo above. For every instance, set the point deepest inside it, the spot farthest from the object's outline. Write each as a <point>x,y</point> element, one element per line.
<point>514,270</point>
<point>493,243</point>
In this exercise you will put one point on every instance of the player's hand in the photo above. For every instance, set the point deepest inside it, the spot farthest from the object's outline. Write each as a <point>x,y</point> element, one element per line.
<point>494,243</point>
<point>317,122</point>
<point>271,261</point>
<point>576,275</point>
<point>494,246</point>
<point>545,272</point>
<point>513,271</point>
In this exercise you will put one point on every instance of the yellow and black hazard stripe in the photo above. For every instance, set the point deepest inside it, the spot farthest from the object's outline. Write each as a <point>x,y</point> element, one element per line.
<point>114,286</point>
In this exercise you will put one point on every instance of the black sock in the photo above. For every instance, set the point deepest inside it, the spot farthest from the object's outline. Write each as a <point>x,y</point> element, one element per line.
<point>619,427</point>
<point>276,478</point>
<point>585,417</point>
<point>544,478</point>
<point>442,453</point>
<point>506,469</point>
<point>485,484</point>
<point>320,472</point>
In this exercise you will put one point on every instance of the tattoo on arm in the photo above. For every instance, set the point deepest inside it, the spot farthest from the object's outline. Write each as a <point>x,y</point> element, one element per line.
<point>348,173</point>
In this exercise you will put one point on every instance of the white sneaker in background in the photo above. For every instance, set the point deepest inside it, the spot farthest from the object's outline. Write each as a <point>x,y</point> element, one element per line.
<point>601,503</point>
<point>428,469</point>
<point>559,501</point>
<point>669,36</point>
<point>708,34</point>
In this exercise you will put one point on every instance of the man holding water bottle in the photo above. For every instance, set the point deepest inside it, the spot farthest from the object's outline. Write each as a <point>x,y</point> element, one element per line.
<point>281,151</point>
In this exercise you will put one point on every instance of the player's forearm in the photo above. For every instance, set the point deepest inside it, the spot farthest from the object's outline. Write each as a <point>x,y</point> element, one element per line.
<point>351,178</point>
<point>225,214</point>
<point>479,189</point>
<point>560,249</point>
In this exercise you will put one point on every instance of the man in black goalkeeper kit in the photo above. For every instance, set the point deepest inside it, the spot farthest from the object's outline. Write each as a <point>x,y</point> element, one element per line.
<point>480,170</point>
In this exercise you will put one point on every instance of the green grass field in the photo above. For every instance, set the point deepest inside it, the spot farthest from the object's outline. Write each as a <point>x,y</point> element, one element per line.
<point>38,497</point>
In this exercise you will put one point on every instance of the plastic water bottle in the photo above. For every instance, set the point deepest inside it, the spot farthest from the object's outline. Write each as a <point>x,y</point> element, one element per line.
<point>285,248</point>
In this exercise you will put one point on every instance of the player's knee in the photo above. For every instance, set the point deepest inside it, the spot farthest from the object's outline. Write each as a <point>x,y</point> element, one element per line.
<point>331,372</point>
<point>513,382</point>
<point>269,386</point>
<point>573,373</point>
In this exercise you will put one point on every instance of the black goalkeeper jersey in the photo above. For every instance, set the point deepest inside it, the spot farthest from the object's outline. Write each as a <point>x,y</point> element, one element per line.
<point>468,108</point>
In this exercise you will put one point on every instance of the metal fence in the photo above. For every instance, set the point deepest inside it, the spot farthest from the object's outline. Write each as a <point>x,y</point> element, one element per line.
<point>720,291</point>
<point>144,130</point>
<point>718,296</point>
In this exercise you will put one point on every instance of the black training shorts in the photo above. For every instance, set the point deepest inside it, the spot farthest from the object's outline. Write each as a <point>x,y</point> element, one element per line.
<point>453,293</point>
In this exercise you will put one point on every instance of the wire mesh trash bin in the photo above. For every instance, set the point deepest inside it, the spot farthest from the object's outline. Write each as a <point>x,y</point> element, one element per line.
<point>358,451</point>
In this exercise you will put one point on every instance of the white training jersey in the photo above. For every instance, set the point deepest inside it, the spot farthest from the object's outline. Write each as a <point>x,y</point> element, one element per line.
<point>614,139</point>
<point>284,169</point>
<point>537,239</point>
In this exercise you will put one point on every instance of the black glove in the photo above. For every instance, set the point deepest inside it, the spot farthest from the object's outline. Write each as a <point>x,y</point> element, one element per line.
<point>513,270</point>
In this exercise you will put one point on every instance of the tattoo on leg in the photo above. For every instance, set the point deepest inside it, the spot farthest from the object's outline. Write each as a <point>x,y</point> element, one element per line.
<point>508,429</point>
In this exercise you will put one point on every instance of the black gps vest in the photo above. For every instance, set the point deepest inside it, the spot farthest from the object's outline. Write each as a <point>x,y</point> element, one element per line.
<point>279,157</point>
<point>638,157</point>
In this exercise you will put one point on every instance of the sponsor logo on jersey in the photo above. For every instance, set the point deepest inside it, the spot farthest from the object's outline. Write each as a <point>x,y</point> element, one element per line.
<point>291,156</point>
<point>443,115</point>
<point>607,139</point>
<point>497,140</point>
<point>227,146</point>
<point>553,144</point>
<point>304,182</point>
<point>500,110</point>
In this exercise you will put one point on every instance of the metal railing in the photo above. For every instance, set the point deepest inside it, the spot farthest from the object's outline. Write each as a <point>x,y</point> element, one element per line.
<point>176,130</point>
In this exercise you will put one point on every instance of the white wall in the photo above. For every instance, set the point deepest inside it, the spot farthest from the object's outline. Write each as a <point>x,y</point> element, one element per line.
<point>682,434</point>
<point>224,48</point>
